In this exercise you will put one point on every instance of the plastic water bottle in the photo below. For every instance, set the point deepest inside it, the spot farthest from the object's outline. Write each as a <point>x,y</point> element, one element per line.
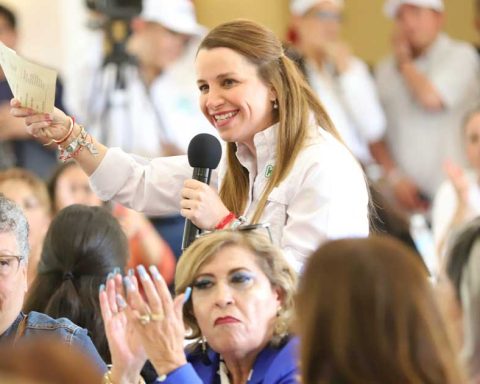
<point>423,238</point>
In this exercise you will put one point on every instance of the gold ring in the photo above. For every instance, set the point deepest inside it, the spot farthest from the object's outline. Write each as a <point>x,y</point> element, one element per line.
<point>144,319</point>
<point>157,316</point>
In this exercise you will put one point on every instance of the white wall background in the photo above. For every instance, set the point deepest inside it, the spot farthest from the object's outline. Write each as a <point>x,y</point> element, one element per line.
<point>51,31</point>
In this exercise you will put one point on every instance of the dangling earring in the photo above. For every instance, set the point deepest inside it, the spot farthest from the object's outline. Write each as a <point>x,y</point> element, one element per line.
<point>205,358</point>
<point>280,328</point>
<point>275,104</point>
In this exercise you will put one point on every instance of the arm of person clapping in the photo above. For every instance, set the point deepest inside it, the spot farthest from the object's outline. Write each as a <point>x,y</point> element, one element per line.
<point>128,355</point>
<point>157,320</point>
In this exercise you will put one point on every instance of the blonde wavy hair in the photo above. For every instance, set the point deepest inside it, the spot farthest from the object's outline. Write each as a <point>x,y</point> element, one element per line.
<point>269,258</point>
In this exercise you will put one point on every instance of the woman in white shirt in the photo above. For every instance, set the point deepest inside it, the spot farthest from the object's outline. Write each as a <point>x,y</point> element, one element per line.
<point>279,167</point>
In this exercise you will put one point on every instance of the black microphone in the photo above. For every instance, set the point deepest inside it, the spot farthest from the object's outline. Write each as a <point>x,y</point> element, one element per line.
<point>204,153</point>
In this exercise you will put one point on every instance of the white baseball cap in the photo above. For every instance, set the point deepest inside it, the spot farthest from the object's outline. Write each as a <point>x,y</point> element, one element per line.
<point>300,7</point>
<point>391,6</point>
<point>176,15</point>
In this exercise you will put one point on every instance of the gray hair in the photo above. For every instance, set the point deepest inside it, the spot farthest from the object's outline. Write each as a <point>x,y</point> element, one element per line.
<point>12,220</point>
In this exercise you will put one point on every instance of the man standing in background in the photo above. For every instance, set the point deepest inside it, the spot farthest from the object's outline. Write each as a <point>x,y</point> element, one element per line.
<point>425,87</point>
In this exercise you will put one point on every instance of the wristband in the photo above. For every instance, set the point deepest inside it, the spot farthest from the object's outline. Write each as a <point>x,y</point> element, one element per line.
<point>227,219</point>
<point>70,130</point>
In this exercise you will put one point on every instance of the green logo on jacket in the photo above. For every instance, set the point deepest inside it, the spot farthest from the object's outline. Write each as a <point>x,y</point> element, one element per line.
<point>268,171</point>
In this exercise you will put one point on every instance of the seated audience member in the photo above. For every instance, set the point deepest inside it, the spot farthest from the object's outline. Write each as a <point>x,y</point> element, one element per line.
<point>14,324</point>
<point>341,80</point>
<point>240,312</point>
<point>367,313</point>
<point>69,185</point>
<point>83,245</point>
<point>463,266</point>
<point>425,87</point>
<point>39,361</point>
<point>30,193</point>
<point>458,199</point>
<point>21,150</point>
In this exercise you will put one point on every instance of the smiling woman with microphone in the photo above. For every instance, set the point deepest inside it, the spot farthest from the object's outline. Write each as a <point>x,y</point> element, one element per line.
<point>284,163</point>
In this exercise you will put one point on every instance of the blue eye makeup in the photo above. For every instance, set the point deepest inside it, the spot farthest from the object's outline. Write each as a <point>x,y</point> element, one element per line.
<point>242,278</point>
<point>202,283</point>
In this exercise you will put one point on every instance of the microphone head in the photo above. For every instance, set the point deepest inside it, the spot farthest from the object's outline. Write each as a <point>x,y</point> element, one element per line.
<point>204,151</point>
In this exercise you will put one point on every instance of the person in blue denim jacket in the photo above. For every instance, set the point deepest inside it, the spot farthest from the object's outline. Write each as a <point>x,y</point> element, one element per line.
<point>14,324</point>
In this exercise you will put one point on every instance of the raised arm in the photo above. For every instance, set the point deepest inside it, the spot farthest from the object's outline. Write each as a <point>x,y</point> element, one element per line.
<point>420,86</point>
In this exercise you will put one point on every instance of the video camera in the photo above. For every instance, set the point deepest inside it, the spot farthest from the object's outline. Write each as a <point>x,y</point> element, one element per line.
<point>116,16</point>
<point>116,9</point>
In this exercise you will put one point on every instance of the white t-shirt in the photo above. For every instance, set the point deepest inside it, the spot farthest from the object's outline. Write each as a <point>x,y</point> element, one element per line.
<point>352,103</point>
<point>420,140</point>
<point>323,197</point>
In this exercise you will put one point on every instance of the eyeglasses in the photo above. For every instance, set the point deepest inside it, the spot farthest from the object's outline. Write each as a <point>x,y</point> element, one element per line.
<point>260,227</point>
<point>327,16</point>
<point>9,265</point>
<point>263,228</point>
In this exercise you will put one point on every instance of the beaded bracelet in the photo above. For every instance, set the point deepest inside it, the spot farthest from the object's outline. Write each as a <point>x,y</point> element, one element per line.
<point>77,144</point>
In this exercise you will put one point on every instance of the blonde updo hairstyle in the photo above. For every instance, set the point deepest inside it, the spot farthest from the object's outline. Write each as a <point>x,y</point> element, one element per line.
<point>269,258</point>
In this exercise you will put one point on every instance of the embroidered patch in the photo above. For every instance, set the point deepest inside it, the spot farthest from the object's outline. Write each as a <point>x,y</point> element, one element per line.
<point>268,171</point>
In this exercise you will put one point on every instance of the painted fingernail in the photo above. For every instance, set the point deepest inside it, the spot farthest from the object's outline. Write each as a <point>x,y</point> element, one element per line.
<point>131,272</point>
<point>188,293</point>
<point>116,271</point>
<point>120,301</point>
<point>154,271</point>
<point>110,276</point>
<point>128,284</point>
<point>101,288</point>
<point>143,273</point>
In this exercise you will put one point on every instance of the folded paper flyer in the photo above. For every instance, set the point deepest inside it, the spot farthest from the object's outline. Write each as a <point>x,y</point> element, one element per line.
<point>32,84</point>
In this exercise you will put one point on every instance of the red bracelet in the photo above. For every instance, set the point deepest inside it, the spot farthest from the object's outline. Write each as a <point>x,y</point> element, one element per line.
<point>227,219</point>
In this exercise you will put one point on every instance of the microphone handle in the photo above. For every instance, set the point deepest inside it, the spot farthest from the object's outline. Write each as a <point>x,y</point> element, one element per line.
<point>191,231</point>
<point>202,174</point>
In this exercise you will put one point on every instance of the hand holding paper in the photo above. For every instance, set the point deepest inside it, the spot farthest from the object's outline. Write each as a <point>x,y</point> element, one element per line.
<point>32,84</point>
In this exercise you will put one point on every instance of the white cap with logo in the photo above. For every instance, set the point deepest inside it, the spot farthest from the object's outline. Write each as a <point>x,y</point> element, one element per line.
<point>391,6</point>
<point>300,7</point>
<point>176,15</point>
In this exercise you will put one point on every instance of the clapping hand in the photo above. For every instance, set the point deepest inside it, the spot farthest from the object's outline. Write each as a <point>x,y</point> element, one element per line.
<point>128,355</point>
<point>157,319</point>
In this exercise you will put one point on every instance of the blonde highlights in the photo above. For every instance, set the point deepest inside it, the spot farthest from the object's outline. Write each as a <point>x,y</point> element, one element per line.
<point>269,258</point>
